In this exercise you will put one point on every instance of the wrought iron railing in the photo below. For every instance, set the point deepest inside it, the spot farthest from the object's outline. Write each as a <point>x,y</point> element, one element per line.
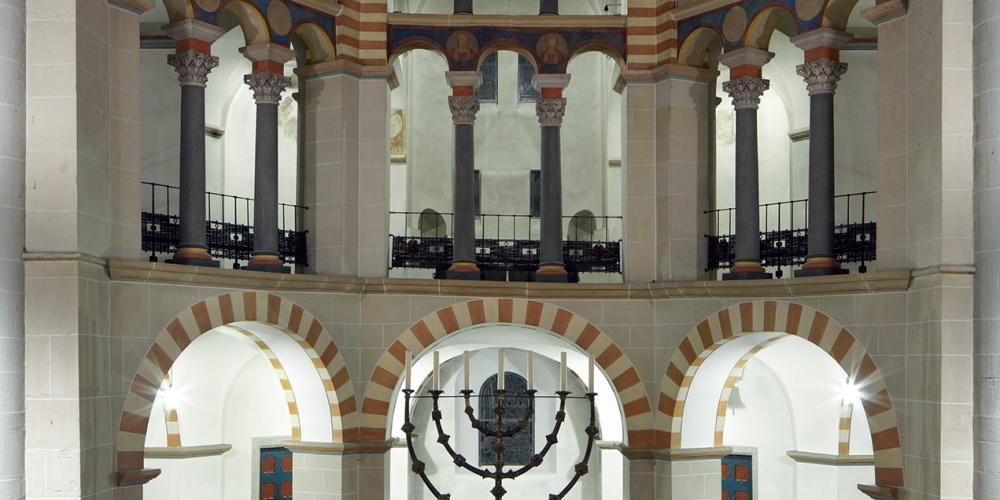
<point>784,233</point>
<point>228,226</point>
<point>504,243</point>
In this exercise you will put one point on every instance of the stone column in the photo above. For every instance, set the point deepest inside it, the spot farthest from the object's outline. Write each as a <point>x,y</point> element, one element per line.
<point>821,71</point>
<point>193,61</point>
<point>12,148</point>
<point>746,87</point>
<point>986,199</point>
<point>550,7</point>
<point>551,107</point>
<point>267,82</point>
<point>464,105</point>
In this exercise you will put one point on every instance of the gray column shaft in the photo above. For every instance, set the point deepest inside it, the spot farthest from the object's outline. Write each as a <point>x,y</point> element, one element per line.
<point>192,168</point>
<point>986,199</point>
<point>265,184</point>
<point>821,172</point>
<point>548,6</point>
<point>12,158</point>
<point>464,190</point>
<point>747,188</point>
<point>551,168</point>
<point>463,6</point>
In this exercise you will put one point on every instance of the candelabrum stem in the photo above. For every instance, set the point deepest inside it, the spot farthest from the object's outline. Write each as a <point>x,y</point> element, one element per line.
<point>498,433</point>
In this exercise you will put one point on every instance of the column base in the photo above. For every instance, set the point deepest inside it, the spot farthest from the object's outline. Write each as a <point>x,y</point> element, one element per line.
<point>820,266</point>
<point>268,263</point>
<point>193,255</point>
<point>554,272</point>
<point>463,270</point>
<point>747,270</point>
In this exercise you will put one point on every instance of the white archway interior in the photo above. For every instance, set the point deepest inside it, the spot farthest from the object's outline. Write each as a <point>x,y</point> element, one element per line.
<point>787,398</point>
<point>226,391</point>
<point>607,465</point>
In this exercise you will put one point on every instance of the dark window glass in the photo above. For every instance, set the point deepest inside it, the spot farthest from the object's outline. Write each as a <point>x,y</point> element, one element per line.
<point>525,74</point>
<point>488,86</point>
<point>536,193</point>
<point>518,449</point>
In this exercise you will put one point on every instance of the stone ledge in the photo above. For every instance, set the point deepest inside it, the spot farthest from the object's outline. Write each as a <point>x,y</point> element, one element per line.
<point>137,477</point>
<point>878,492</point>
<point>808,457</point>
<point>173,274</point>
<point>377,447</point>
<point>209,450</point>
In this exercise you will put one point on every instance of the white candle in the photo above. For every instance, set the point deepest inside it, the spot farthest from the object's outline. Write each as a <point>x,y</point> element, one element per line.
<point>465,359</point>
<point>409,369</point>
<point>500,383</point>
<point>531,370</point>
<point>590,375</point>
<point>562,372</point>
<point>436,381</point>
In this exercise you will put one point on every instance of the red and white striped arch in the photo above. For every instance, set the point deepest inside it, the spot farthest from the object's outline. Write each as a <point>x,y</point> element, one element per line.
<point>451,319</point>
<point>793,319</point>
<point>219,311</point>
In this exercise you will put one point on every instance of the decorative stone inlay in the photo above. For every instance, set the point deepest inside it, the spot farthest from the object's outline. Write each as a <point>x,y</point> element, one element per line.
<point>209,5</point>
<point>734,24</point>
<point>550,111</point>
<point>821,75</point>
<point>808,9</point>
<point>746,91</point>
<point>267,87</point>
<point>279,18</point>
<point>192,67</point>
<point>463,108</point>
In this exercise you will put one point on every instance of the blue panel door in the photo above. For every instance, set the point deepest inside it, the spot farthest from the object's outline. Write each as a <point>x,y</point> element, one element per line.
<point>275,474</point>
<point>737,477</point>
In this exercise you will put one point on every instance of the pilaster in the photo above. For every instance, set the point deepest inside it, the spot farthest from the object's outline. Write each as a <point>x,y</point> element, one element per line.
<point>345,181</point>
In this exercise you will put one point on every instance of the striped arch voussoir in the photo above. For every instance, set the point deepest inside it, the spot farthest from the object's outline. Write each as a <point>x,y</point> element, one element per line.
<point>222,310</point>
<point>793,319</point>
<point>446,321</point>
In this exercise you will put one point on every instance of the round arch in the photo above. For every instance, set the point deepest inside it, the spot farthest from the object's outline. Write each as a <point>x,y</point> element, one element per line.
<point>250,20</point>
<point>598,46</point>
<point>319,47</point>
<point>762,26</point>
<point>385,376</point>
<point>212,313</point>
<point>418,43</point>
<point>510,45</point>
<point>837,13</point>
<point>696,47</point>
<point>791,319</point>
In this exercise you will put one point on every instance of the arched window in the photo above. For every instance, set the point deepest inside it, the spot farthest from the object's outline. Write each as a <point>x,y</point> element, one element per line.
<point>518,449</point>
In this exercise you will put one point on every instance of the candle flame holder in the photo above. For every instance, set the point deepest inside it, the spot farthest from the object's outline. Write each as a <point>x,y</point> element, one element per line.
<point>497,431</point>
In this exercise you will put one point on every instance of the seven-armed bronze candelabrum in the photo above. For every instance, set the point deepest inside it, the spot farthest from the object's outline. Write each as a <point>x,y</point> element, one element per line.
<point>496,430</point>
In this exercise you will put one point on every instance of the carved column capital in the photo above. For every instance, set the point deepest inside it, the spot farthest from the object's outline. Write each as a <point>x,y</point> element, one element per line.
<point>192,67</point>
<point>463,108</point>
<point>267,87</point>
<point>822,75</point>
<point>551,111</point>
<point>746,91</point>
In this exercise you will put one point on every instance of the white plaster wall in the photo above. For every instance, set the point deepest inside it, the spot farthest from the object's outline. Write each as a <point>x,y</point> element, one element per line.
<point>227,394</point>
<point>767,424</point>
